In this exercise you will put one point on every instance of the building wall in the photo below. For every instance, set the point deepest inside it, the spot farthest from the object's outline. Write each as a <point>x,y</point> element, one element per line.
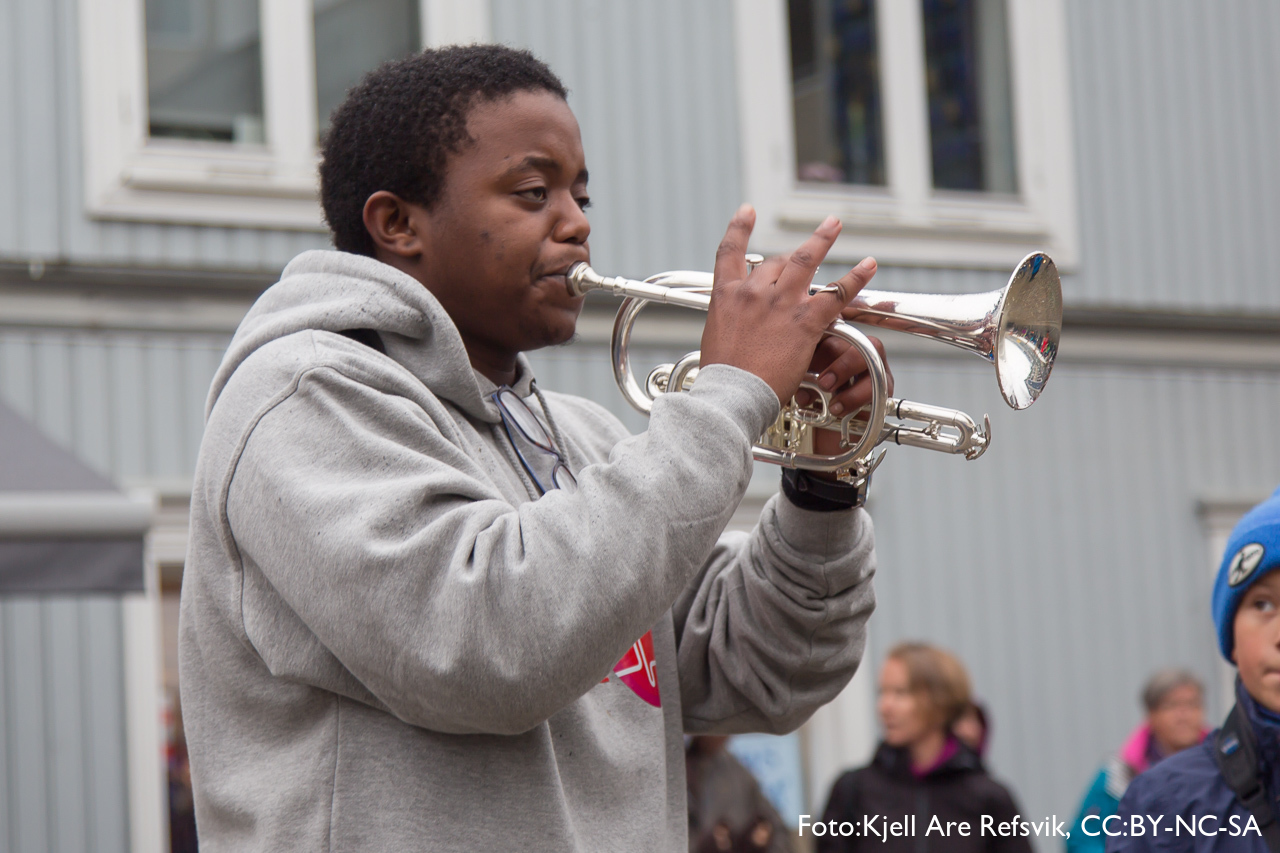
<point>1175,108</point>
<point>63,784</point>
<point>1064,566</point>
<point>1171,205</point>
<point>129,403</point>
<point>41,167</point>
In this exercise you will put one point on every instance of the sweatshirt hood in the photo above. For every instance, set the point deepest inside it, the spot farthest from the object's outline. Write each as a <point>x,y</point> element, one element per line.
<point>333,291</point>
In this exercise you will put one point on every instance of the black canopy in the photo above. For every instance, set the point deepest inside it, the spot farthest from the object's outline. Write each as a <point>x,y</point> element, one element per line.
<point>64,528</point>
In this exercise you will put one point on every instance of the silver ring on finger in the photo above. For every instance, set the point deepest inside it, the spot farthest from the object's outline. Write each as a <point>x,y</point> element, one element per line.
<point>834,287</point>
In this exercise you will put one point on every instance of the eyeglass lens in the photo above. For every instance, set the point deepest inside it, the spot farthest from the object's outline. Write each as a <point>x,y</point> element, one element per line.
<point>518,413</point>
<point>525,420</point>
<point>563,478</point>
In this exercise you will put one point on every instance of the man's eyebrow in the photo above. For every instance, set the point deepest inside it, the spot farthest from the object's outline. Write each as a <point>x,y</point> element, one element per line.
<point>546,164</point>
<point>535,161</point>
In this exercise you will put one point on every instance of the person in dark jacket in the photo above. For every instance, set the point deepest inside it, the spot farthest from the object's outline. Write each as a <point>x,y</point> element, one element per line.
<point>973,728</point>
<point>1185,803</point>
<point>728,812</point>
<point>921,770</point>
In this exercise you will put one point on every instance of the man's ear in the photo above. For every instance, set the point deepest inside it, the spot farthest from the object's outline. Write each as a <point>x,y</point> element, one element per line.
<point>394,224</point>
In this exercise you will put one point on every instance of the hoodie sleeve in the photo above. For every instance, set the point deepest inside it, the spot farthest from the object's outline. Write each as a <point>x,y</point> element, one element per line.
<point>378,559</point>
<point>775,624</point>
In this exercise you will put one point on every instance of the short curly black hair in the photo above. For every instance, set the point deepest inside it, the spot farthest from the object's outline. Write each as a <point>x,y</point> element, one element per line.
<point>396,129</point>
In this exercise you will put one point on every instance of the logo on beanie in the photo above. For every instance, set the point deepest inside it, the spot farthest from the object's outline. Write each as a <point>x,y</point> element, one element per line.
<point>1244,562</point>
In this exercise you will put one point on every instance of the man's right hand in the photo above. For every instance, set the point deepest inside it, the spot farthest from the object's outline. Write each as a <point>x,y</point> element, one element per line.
<point>764,321</point>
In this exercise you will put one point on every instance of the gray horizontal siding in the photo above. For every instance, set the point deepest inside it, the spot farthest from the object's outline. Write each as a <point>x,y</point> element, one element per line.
<point>130,404</point>
<point>1176,112</point>
<point>41,166</point>
<point>1173,108</point>
<point>63,782</point>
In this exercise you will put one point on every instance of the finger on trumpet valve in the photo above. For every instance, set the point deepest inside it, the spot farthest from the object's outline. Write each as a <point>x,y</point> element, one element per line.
<point>753,260</point>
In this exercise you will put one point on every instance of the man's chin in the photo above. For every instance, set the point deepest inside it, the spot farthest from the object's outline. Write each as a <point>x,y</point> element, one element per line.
<point>565,334</point>
<point>555,337</point>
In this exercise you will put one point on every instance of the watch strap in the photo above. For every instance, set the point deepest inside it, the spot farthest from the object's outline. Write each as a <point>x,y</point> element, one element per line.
<point>814,493</point>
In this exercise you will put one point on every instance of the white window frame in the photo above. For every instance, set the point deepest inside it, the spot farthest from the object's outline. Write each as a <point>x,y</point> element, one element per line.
<point>907,221</point>
<point>146,763</point>
<point>130,176</point>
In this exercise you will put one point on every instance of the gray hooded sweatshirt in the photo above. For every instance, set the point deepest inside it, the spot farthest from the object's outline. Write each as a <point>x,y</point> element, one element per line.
<point>389,641</point>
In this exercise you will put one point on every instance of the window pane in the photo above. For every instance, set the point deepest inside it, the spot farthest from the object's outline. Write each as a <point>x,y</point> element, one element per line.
<point>835,74</point>
<point>970,103</point>
<point>204,69</point>
<point>355,36</point>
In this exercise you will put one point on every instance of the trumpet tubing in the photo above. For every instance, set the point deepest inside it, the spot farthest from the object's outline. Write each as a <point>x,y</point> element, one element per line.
<point>1016,329</point>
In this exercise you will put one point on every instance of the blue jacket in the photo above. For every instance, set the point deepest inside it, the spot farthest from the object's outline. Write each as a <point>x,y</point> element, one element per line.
<point>1186,786</point>
<point>1183,804</point>
<point>1103,796</point>
<point>1099,802</point>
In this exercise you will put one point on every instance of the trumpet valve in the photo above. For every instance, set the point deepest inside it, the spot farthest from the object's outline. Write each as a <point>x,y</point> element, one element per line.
<point>980,440</point>
<point>657,380</point>
<point>673,377</point>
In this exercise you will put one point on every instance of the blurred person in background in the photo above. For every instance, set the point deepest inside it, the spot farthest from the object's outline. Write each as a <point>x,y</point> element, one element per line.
<point>728,812</point>
<point>973,728</point>
<point>921,767</point>
<point>182,813</point>
<point>1174,700</point>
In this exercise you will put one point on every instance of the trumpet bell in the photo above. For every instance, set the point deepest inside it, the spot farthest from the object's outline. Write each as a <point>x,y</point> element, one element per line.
<point>1028,328</point>
<point>1016,328</point>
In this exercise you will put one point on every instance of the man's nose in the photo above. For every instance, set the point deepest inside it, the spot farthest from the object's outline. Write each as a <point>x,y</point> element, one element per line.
<point>573,225</point>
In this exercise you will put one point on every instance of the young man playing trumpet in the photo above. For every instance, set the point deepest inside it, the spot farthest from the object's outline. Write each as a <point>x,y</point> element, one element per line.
<point>430,607</point>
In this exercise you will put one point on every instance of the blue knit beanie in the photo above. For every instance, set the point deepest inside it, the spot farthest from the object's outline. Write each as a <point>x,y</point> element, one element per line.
<point>1252,551</point>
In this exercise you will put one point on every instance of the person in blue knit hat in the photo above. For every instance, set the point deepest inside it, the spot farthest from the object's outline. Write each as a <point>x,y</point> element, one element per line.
<point>1222,795</point>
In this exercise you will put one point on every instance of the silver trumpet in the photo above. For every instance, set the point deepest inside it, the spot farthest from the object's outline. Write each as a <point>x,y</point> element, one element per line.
<point>1016,329</point>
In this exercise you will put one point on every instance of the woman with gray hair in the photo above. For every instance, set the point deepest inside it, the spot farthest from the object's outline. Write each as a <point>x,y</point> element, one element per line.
<point>1174,701</point>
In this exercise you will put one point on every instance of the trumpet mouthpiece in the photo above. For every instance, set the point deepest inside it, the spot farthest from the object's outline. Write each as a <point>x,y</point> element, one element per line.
<point>582,278</point>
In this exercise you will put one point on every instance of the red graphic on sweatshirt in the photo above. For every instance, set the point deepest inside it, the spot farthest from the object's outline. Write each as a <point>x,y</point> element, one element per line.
<point>638,670</point>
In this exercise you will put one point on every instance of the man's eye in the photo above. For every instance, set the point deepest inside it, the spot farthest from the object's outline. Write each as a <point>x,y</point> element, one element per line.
<point>534,193</point>
<point>584,202</point>
<point>1263,604</point>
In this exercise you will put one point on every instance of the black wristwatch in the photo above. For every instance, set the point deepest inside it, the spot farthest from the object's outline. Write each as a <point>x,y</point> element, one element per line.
<point>814,493</point>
